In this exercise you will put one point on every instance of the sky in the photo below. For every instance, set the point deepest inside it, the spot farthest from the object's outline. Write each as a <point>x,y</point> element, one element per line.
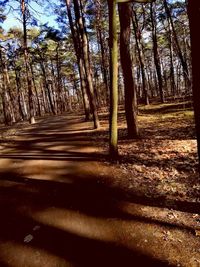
<point>13,16</point>
<point>40,13</point>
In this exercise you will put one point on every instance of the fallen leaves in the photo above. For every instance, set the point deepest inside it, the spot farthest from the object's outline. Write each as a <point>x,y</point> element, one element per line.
<point>162,168</point>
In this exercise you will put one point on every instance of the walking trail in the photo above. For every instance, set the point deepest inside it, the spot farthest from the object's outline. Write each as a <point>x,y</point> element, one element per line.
<point>60,206</point>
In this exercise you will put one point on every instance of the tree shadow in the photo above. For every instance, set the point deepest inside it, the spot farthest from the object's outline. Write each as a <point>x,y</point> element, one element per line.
<point>74,249</point>
<point>22,198</point>
<point>91,196</point>
<point>75,189</point>
<point>44,145</point>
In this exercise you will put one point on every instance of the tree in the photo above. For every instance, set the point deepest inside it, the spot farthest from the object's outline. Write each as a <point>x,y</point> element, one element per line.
<point>7,96</point>
<point>24,11</point>
<point>85,52</point>
<point>77,48</point>
<point>101,40</point>
<point>8,108</point>
<point>155,51</point>
<point>113,78</point>
<point>194,18</point>
<point>125,14</point>
<point>179,51</point>
<point>139,46</point>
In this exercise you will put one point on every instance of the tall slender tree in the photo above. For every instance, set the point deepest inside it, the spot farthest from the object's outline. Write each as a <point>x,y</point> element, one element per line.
<point>77,48</point>
<point>24,12</point>
<point>155,51</point>
<point>85,52</point>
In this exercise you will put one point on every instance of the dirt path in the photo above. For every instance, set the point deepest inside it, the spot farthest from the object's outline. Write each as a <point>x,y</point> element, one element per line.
<point>60,206</point>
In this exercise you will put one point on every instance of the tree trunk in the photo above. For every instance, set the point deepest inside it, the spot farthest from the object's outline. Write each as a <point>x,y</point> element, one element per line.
<point>179,52</point>
<point>194,19</point>
<point>155,52</point>
<point>47,85</point>
<point>8,110</point>
<point>59,82</point>
<point>36,92</point>
<point>113,78</point>
<point>18,85</point>
<point>85,53</point>
<point>76,42</point>
<point>27,62</point>
<point>102,48</point>
<point>125,12</point>
<point>140,56</point>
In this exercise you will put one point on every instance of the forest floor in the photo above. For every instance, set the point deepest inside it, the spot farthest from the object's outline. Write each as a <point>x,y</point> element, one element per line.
<point>62,203</point>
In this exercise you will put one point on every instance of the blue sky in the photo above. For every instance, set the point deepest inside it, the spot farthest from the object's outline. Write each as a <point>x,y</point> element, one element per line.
<point>13,17</point>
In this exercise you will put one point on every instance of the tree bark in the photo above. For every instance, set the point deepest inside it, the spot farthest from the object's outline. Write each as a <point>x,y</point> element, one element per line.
<point>125,13</point>
<point>35,88</point>
<point>27,62</point>
<point>155,52</point>
<point>194,19</point>
<point>179,52</point>
<point>18,85</point>
<point>76,42</point>
<point>8,109</point>
<point>53,110</point>
<point>113,78</point>
<point>85,53</point>
<point>140,56</point>
<point>102,48</point>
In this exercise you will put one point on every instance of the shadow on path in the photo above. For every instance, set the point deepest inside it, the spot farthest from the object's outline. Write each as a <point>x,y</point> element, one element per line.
<point>57,193</point>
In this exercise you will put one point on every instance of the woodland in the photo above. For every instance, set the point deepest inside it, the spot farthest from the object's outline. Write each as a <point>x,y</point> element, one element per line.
<point>99,133</point>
